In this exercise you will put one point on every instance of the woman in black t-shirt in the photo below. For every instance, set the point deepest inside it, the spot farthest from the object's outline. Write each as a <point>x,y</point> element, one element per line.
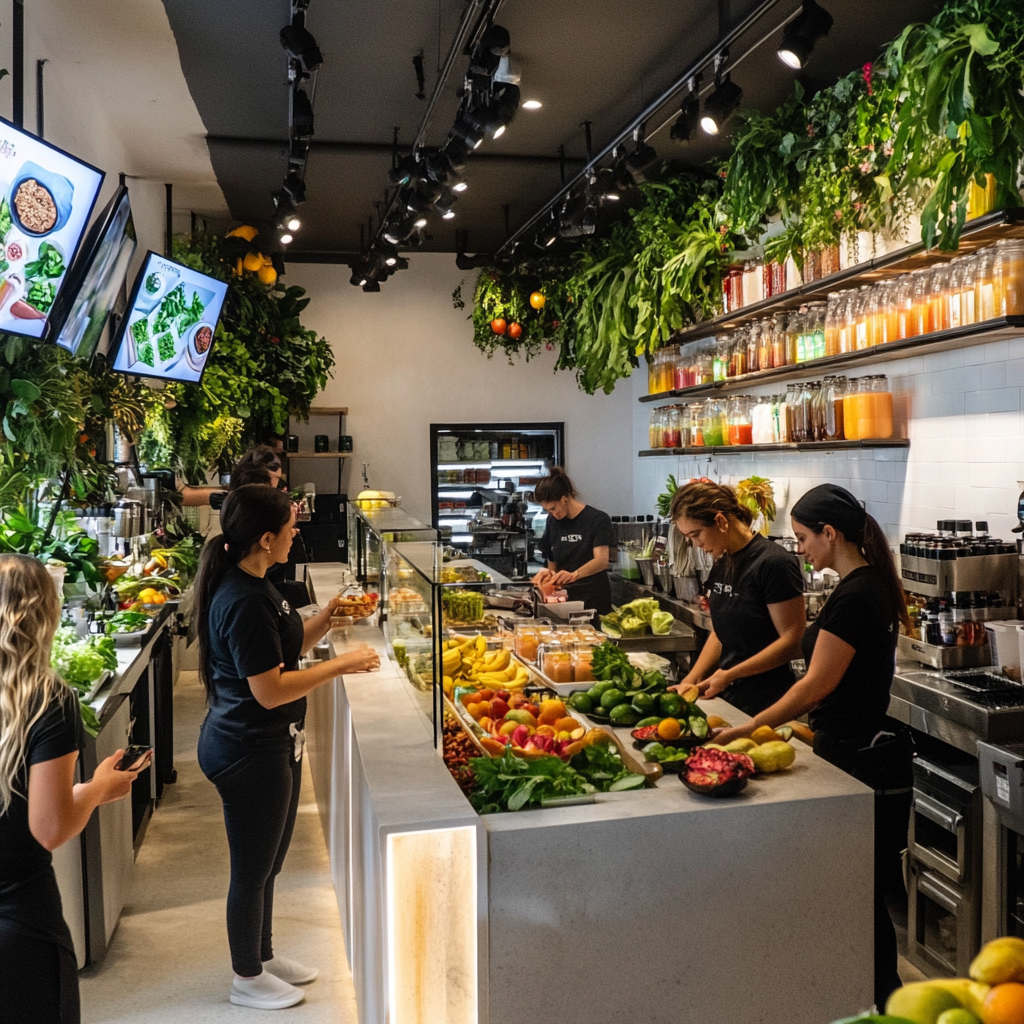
<point>40,806</point>
<point>252,739</point>
<point>755,595</point>
<point>575,544</point>
<point>851,655</point>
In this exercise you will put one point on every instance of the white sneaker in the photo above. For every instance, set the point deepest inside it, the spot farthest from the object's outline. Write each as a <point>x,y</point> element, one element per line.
<point>265,992</point>
<point>291,970</point>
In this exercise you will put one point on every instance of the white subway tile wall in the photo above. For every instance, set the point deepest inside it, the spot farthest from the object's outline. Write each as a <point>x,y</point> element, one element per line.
<point>961,410</point>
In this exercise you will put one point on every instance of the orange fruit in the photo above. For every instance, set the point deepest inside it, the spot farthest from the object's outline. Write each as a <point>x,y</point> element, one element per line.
<point>1004,1004</point>
<point>267,274</point>
<point>669,729</point>
<point>566,724</point>
<point>547,730</point>
<point>550,712</point>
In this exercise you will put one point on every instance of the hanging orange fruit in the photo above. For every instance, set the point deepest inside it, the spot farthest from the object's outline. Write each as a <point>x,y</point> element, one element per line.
<point>267,274</point>
<point>498,325</point>
<point>515,330</point>
<point>537,300</point>
<point>246,231</point>
<point>252,261</point>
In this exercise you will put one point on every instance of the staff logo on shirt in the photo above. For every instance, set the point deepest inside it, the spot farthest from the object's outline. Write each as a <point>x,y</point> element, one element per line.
<point>286,608</point>
<point>571,538</point>
<point>723,588</point>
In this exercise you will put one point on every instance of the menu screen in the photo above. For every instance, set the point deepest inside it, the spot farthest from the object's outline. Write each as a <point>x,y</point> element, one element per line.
<point>97,275</point>
<point>46,199</point>
<point>170,323</point>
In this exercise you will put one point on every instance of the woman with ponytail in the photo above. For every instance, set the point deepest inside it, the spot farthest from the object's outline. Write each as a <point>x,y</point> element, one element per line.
<point>252,739</point>
<point>755,592</point>
<point>851,655</point>
<point>41,807</point>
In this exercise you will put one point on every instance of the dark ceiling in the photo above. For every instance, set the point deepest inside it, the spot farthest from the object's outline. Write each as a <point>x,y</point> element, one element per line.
<point>600,60</point>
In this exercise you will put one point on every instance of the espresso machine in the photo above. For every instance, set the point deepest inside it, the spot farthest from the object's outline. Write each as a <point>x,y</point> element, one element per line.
<point>956,580</point>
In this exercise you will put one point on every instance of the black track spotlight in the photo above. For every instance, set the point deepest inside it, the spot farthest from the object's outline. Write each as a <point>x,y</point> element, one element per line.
<point>300,44</point>
<point>605,186</point>
<point>457,152</point>
<point>494,44</point>
<point>548,234</point>
<point>300,119</point>
<point>388,255</point>
<point>640,160</point>
<point>468,132</point>
<point>295,187</point>
<point>357,280</point>
<point>720,105</point>
<point>811,24</point>
<point>498,113</point>
<point>689,114</point>
<point>298,151</point>
<point>287,217</point>
<point>372,285</point>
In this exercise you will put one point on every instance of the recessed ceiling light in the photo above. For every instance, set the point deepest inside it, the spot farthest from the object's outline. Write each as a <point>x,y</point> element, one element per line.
<point>286,238</point>
<point>293,224</point>
<point>532,105</point>
<point>448,215</point>
<point>460,187</point>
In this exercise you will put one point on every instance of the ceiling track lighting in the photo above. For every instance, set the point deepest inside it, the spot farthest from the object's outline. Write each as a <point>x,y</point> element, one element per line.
<point>295,188</point>
<point>722,103</point>
<point>802,33</point>
<point>689,114</point>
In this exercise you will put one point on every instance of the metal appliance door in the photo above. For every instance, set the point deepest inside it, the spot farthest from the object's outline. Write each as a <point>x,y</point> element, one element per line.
<point>938,837</point>
<point>943,923</point>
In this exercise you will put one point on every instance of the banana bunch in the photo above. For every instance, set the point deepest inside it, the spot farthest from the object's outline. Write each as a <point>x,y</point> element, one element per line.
<point>469,661</point>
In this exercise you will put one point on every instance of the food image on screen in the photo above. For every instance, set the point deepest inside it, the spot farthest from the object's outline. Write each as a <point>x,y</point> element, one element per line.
<point>203,338</point>
<point>46,200</point>
<point>170,325</point>
<point>35,206</point>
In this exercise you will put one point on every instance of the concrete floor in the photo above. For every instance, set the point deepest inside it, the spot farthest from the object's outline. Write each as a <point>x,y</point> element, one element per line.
<point>168,961</point>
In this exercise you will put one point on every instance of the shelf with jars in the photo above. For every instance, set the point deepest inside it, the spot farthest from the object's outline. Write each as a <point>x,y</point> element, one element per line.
<point>888,312</point>
<point>805,446</point>
<point>835,411</point>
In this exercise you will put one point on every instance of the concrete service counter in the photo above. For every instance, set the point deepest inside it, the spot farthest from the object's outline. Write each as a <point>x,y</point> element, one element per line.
<point>654,905</point>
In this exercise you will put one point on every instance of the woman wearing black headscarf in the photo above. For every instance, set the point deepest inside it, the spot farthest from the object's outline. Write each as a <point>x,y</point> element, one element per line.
<point>850,652</point>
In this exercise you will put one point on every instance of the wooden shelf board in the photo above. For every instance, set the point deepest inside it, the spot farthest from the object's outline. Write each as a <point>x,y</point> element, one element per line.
<point>319,455</point>
<point>792,447</point>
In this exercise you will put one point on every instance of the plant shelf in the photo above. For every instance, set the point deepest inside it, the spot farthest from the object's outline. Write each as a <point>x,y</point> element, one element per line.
<point>319,455</point>
<point>796,446</point>
<point>937,341</point>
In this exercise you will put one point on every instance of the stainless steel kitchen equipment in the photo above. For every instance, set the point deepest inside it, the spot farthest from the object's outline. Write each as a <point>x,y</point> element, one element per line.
<point>959,707</point>
<point>944,865</point>
<point>1001,768</point>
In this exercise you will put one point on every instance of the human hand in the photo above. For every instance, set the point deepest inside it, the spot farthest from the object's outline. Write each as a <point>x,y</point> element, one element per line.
<point>715,684</point>
<point>110,783</point>
<point>544,576</point>
<point>360,659</point>
<point>564,577</point>
<point>684,684</point>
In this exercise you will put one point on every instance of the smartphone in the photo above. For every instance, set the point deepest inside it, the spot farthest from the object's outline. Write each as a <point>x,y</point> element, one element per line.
<point>134,759</point>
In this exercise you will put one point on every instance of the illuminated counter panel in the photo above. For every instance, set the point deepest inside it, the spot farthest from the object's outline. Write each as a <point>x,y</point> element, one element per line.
<point>655,906</point>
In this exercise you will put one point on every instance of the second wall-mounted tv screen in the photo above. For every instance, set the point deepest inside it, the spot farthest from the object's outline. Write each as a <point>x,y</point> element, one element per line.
<point>81,312</point>
<point>46,199</point>
<point>168,328</point>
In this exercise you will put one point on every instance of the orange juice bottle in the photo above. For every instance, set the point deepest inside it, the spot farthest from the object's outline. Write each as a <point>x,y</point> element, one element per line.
<point>876,415</point>
<point>921,313</point>
<point>1008,277</point>
<point>938,286</point>
<point>903,299</point>
<point>850,409</point>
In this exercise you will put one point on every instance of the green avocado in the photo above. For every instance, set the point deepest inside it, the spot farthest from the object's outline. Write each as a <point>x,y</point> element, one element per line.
<point>612,698</point>
<point>671,704</point>
<point>623,714</point>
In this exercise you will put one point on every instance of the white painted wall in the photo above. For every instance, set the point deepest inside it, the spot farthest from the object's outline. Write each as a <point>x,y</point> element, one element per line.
<point>962,411</point>
<point>406,360</point>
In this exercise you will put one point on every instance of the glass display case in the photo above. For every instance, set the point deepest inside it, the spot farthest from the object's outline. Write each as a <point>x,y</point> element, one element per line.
<point>426,596</point>
<point>370,529</point>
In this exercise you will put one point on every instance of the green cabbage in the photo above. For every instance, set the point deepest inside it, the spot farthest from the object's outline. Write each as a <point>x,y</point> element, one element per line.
<point>632,626</point>
<point>661,623</point>
<point>642,608</point>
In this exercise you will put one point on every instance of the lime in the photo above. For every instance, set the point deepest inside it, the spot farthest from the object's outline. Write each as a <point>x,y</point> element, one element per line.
<point>650,720</point>
<point>644,703</point>
<point>581,702</point>
<point>623,714</point>
<point>671,704</point>
<point>611,698</point>
<point>598,688</point>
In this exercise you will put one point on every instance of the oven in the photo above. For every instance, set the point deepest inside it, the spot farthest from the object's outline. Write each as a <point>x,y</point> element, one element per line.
<point>1002,782</point>
<point>944,866</point>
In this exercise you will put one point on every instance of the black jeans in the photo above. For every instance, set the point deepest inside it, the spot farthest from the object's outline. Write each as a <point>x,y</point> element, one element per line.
<point>38,981</point>
<point>260,793</point>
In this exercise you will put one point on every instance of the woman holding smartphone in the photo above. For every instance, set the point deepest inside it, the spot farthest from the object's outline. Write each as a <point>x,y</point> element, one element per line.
<point>850,651</point>
<point>41,807</point>
<point>755,592</point>
<point>252,740</point>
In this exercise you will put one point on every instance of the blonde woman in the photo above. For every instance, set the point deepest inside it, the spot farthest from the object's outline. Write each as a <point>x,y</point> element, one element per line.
<point>40,806</point>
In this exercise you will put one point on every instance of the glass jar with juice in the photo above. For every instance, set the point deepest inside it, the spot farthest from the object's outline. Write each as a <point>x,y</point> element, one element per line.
<point>779,353</point>
<point>672,437</point>
<point>921,314</point>
<point>741,424</point>
<point>582,663</point>
<point>938,289</point>
<point>851,397</point>
<point>876,409</point>
<point>656,429</point>
<point>528,638</point>
<point>1008,277</point>
<point>555,660</point>
<point>984,289</point>
<point>834,388</point>
<point>715,425</point>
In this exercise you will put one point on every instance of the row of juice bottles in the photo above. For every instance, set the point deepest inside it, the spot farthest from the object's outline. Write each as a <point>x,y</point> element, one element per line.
<point>972,289</point>
<point>835,409</point>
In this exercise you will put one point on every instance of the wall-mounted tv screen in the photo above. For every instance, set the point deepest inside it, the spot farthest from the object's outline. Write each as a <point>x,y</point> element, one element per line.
<point>81,311</point>
<point>46,200</point>
<point>168,328</point>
